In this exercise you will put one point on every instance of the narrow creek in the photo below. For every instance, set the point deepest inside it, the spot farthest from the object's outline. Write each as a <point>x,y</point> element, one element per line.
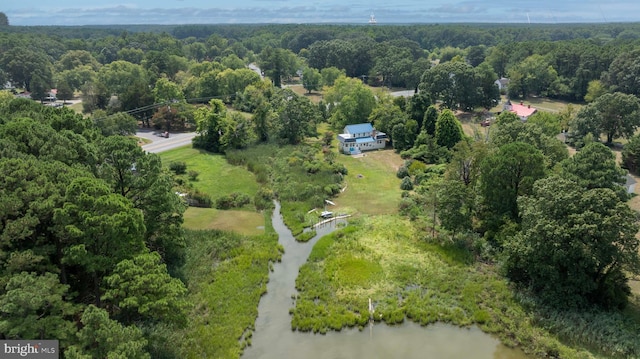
<point>274,339</point>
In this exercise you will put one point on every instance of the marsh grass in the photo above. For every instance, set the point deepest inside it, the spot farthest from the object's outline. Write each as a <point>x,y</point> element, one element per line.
<point>226,275</point>
<point>383,258</point>
<point>299,176</point>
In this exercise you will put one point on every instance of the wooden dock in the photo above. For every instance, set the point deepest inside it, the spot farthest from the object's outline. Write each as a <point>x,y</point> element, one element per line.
<point>329,220</point>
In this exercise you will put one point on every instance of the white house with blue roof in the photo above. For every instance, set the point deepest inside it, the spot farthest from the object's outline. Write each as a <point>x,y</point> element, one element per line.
<point>361,137</point>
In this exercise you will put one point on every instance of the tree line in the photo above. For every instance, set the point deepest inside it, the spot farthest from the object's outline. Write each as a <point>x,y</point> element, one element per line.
<point>561,61</point>
<point>91,239</point>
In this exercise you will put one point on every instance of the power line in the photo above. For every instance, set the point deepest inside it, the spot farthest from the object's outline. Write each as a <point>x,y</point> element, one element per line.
<point>166,103</point>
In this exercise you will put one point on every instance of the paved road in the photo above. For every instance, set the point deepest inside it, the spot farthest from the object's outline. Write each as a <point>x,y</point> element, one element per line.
<point>406,93</point>
<point>161,144</point>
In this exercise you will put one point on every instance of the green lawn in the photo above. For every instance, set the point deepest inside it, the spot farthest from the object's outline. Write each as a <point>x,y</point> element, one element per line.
<point>371,184</point>
<point>216,177</point>
<point>550,105</point>
<point>77,107</point>
<point>243,222</point>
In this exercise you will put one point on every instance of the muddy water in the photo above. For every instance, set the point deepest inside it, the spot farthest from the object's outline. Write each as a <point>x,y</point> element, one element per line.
<point>273,338</point>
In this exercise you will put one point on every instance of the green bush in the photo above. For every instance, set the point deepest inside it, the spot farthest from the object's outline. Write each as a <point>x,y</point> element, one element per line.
<point>263,199</point>
<point>178,167</point>
<point>406,184</point>
<point>402,172</point>
<point>233,200</point>
<point>193,175</point>
<point>196,198</point>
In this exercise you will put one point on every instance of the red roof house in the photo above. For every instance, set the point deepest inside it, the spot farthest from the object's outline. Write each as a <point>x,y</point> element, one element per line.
<point>523,111</point>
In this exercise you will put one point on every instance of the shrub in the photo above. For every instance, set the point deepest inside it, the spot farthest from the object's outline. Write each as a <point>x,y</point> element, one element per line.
<point>339,168</point>
<point>193,175</point>
<point>263,198</point>
<point>406,184</point>
<point>178,167</point>
<point>328,138</point>
<point>196,198</point>
<point>402,172</point>
<point>416,167</point>
<point>312,166</point>
<point>233,200</point>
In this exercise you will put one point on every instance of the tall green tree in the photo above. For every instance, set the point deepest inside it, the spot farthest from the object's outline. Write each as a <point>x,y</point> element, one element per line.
<point>350,102</point>
<point>208,126</point>
<point>595,166</point>
<point>612,114</point>
<point>24,65</point>
<point>576,246</point>
<point>430,117</point>
<point>448,129</point>
<point>100,229</point>
<point>141,289</point>
<point>455,206</point>
<point>237,132</point>
<point>4,21</point>
<point>102,337</point>
<point>36,307</point>
<point>595,89</point>
<point>534,75</point>
<point>263,120</point>
<point>624,73</point>
<point>465,162</point>
<point>311,79</point>
<point>119,76</point>
<point>631,155</point>
<point>139,177</point>
<point>330,75</point>
<point>167,91</point>
<point>386,116</point>
<point>506,175</point>
<point>65,92</point>
<point>278,64</point>
<point>298,118</point>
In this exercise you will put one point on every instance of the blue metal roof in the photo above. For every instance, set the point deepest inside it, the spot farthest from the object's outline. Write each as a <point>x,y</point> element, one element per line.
<point>364,140</point>
<point>359,128</point>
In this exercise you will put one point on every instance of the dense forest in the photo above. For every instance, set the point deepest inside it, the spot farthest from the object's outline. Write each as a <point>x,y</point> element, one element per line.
<point>92,248</point>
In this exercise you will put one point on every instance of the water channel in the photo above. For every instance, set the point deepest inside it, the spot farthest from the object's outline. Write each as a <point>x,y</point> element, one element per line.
<point>274,339</point>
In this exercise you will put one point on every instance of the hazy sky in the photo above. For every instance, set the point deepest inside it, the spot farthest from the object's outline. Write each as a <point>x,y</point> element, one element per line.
<point>90,12</point>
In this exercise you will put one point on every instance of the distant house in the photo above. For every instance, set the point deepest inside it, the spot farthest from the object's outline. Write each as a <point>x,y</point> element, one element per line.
<point>523,111</point>
<point>502,83</point>
<point>51,95</point>
<point>361,137</point>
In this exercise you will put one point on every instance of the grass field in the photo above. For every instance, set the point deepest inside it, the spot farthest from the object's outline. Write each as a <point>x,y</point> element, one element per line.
<point>77,107</point>
<point>371,184</point>
<point>216,176</point>
<point>243,222</point>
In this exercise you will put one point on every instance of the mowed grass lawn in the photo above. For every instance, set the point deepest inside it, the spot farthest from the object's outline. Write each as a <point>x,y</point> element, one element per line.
<point>371,184</point>
<point>217,178</point>
<point>242,222</point>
